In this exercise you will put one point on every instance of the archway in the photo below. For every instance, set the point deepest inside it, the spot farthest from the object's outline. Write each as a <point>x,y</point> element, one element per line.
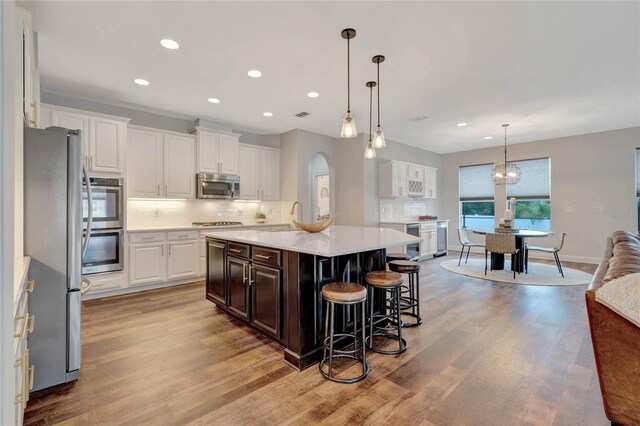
<point>321,187</point>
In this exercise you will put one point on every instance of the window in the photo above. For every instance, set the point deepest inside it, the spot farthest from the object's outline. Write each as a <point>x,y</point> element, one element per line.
<point>477,208</point>
<point>533,194</point>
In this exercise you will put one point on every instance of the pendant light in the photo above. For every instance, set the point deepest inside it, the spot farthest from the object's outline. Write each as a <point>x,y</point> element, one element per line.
<point>507,173</point>
<point>370,152</point>
<point>378,137</point>
<point>348,122</point>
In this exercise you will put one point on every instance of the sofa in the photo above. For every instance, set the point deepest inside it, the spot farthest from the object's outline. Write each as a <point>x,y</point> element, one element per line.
<point>616,339</point>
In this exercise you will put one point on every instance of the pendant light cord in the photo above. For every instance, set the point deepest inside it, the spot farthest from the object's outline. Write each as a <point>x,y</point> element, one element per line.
<point>378,94</point>
<point>505,147</point>
<point>370,110</point>
<point>348,77</point>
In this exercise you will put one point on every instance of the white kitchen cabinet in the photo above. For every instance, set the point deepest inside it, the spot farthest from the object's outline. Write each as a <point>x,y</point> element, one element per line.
<point>270,174</point>
<point>183,260</point>
<point>108,281</point>
<point>147,263</point>
<point>103,137</point>
<point>217,152</point>
<point>27,57</point>
<point>429,246</point>
<point>160,164</point>
<point>259,170</point>
<point>397,180</point>
<point>430,181</point>
<point>179,166</point>
<point>145,163</point>
<point>249,171</point>
<point>106,143</point>
<point>392,179</point>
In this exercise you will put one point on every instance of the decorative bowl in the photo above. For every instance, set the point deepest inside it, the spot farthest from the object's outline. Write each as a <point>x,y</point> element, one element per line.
<point>314,227</point>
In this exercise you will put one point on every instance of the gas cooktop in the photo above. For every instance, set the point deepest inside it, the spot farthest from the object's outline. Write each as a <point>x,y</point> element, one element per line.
<point>223,223</point>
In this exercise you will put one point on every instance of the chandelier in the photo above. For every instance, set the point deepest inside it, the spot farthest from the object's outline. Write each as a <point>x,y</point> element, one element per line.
<point>507,173</point>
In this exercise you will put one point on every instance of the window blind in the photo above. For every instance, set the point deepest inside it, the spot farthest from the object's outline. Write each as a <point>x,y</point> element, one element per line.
<point>476,183</point>
<point>638,172</point>
<point>535,182</point>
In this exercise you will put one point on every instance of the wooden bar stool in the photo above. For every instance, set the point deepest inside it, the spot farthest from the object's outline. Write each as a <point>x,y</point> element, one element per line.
<point>397,256</point>
<point>409,305</point>
<point>349,294</point>
<point>391,326</point>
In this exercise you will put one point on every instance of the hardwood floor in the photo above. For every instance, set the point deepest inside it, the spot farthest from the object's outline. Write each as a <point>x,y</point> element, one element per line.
<point>486,354</point>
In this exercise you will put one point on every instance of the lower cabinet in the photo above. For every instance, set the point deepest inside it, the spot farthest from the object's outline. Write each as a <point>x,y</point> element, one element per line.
<point>183,259</point>
<point>215,274</point>
<point>147,263</point>
<point>157,257</point>
<point>238,285</point>
<point>247,283</point>
<point>266,293</point>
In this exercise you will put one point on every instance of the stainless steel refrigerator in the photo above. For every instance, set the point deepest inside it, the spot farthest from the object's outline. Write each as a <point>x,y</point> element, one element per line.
<point>53,176</point>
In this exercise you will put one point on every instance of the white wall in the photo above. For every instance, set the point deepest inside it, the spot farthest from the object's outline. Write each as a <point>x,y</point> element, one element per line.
<point>592,186</point>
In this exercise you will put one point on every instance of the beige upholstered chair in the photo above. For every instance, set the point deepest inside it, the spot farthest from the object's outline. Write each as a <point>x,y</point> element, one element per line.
<point>466,244</point>
<point>553,250</point>
<point>500,243</point>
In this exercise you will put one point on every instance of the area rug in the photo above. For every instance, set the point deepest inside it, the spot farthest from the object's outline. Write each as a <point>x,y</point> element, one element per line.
<point>539,273</point>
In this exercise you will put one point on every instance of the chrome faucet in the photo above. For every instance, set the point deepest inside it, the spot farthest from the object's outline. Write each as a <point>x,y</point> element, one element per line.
<point>293,208</point>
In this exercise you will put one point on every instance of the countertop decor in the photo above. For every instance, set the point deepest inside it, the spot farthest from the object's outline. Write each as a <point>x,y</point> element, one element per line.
<point>319,226</point>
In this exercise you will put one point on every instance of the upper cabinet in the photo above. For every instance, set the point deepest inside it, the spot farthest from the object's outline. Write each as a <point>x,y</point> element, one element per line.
<point>217,152</point>
<point>28,59</point>
<point>397,179</point>
<point>160,164</point>
<point>259,170</point>
<point>103,136</point>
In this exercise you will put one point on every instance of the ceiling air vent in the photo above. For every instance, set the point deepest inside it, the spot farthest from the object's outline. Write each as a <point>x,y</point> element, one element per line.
<point>418,118</point>
<point>302,114</point>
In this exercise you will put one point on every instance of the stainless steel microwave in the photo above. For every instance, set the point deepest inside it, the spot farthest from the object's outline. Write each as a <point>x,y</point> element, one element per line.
<point>217,186</point>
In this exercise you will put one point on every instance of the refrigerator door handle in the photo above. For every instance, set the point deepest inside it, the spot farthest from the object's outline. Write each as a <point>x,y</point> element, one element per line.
<point>85,244</point>
<point>85,288</point>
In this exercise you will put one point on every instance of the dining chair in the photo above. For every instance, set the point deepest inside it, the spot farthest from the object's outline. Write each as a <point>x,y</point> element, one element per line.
<point>552,250</point>
<point>500,243</point>
<point>464,241</point>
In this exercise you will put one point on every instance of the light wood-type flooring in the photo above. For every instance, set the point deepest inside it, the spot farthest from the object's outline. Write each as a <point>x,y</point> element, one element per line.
<point>487,354</point>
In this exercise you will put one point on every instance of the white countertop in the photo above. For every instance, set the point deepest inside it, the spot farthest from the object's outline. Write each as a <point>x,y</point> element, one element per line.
<point>335,241</point>
<point>404,222</point>
<point>197,228</point>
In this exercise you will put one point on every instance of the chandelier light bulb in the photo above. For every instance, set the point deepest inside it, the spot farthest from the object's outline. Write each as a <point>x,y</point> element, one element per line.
<point>348,127</point>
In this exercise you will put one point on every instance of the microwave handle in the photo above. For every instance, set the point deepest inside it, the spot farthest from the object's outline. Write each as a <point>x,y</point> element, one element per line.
<point>85,243</point>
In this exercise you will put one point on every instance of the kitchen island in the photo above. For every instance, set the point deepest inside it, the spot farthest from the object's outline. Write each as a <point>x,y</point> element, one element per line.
<point>272,281</point>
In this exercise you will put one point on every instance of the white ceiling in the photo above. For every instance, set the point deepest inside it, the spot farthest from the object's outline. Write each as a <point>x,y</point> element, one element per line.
<point>551,69</point>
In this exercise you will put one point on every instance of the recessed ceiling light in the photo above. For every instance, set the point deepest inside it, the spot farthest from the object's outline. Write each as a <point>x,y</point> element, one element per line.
<point>488,137</point>
<point>214,100</point>
<point>254,73</point>
<point>141,81</point>
<point>267,114</point>
<point>461,124</point>
<point>169,44</point>
<point>313,94</point>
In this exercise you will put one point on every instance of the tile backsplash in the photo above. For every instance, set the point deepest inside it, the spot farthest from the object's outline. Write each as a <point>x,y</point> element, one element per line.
<point>161,213</point>
<point>392,209</point>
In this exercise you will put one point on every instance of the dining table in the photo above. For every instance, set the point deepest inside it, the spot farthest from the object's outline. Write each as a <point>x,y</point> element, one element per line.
<point>518,260</point>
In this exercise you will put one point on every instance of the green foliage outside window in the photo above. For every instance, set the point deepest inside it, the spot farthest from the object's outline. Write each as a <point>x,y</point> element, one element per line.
<point>481,208</point>
<point>533,209</point>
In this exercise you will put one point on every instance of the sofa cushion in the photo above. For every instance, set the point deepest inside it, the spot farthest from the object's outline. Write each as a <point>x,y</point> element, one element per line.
<point>622,295</point>
<point>619,236</point>
<point>625,256</point>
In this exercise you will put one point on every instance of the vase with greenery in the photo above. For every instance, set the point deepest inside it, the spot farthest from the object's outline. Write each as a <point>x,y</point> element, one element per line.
<point>261,217</point>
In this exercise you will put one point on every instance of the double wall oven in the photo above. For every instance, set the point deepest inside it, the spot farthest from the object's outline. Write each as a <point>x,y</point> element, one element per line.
<point>103,221</point>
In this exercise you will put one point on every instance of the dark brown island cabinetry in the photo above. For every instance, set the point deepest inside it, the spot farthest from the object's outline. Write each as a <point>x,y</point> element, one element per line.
<point>279,292</point>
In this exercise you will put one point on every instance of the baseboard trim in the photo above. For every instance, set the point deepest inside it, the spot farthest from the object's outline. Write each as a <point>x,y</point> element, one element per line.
<point>539,255</point>
<point>141,287</point>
